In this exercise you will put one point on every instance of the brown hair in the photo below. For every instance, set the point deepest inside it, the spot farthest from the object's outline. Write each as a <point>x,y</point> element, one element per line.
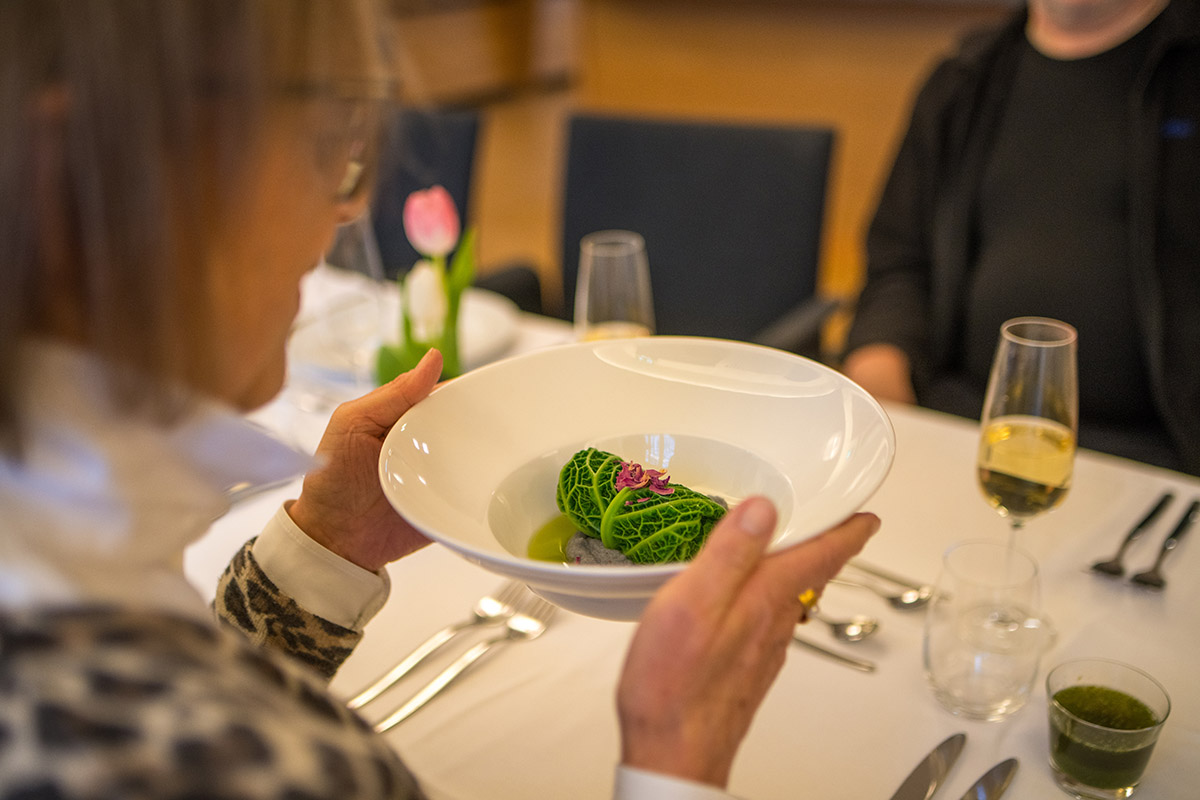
<point>126,125</point>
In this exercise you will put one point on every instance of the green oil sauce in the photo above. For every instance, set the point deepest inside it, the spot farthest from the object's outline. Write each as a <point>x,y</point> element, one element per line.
<point>549,542</point>
<point>1100,705</point>
<point>1102,761</point>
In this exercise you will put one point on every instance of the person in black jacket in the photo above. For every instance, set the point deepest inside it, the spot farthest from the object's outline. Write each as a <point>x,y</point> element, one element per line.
<point>1051,168</point>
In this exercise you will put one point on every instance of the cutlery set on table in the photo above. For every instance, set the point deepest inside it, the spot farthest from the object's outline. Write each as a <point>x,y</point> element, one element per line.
<point>1151,578</point>
<point>522,614</point>
<point>904,594</point>
<point>525,616</point>
<point>931,771</point>
<point>897,591</point>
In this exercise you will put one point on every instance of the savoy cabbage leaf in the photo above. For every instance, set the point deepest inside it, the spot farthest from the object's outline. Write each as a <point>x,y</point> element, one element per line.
<point>648,527</point>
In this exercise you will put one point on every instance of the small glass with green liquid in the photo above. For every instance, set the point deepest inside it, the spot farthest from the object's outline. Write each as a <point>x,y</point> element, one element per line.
<point>1105,717</point>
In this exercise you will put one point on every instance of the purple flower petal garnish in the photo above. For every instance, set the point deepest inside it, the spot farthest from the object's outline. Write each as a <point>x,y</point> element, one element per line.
<point>634,476</point>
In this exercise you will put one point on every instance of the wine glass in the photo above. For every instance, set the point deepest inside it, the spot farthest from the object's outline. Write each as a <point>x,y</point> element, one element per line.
<point>613,299</point>
<point>1030,418</point>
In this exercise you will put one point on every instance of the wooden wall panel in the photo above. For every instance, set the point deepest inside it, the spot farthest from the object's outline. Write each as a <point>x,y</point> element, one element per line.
<point>853,65</point>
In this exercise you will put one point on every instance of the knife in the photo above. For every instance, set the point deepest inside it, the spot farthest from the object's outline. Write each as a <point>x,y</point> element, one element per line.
<point>994,782</point>
<point>927,775</point>
<point>879,572</point>
<point>859,664</point>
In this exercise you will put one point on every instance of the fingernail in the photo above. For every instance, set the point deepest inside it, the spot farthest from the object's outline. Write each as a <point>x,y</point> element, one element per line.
<point>757,517</point>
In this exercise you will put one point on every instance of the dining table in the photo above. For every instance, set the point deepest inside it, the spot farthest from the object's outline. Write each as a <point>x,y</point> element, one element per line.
<point>537,719</point>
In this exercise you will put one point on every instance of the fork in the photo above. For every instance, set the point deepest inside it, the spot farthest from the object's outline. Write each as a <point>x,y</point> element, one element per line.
<point>1114,566</point>
<point>491,609</point>
<point>1152,578</point>
<point>529,621</point>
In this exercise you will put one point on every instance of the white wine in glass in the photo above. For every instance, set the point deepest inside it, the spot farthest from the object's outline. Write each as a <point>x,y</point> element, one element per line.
<point>612,298</point>
<point>1030,418</point>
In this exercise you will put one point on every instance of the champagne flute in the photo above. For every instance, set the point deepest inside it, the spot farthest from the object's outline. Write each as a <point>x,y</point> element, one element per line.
<point>1030,418</point>
<point>613,299</point>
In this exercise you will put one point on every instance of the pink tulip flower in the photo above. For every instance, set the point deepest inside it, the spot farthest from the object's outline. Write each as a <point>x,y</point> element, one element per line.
<point>431,221</point>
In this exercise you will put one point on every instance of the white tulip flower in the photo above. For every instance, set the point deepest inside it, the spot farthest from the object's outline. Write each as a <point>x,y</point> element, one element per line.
<point>425,300</point>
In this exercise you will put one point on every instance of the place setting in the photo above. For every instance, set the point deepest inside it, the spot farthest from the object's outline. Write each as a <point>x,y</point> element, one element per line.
<point>987,629</point>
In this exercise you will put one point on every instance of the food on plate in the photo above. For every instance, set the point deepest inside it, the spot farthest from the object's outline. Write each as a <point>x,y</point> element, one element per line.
<point>626,508</point>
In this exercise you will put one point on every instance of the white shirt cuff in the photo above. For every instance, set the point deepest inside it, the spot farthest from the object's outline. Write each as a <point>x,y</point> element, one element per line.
<point>320,581</point>
<point>638,784</point>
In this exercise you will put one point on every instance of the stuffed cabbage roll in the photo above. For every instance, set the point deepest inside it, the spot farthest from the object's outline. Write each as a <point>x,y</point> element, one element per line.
<point>634,510</point>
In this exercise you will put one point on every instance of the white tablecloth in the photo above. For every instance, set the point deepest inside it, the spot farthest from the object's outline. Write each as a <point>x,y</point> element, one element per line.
<point>536,719</point>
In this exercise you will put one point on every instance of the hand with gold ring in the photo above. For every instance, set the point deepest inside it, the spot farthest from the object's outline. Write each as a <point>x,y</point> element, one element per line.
<point>712,640</point>
<point>808,601</point>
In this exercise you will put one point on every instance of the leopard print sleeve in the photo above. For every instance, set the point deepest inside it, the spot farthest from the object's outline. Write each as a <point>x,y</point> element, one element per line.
<point>247,600</point>
<point>101,703</point>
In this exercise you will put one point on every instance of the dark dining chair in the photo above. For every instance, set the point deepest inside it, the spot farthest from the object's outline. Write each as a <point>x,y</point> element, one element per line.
<point>423,147</point>
<point>731,214</point>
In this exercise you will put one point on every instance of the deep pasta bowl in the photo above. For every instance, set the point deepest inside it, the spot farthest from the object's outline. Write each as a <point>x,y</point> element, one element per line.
<point>475,465</point>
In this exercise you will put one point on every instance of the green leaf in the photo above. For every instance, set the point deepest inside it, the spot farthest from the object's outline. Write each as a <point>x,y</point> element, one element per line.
<point>648,527</point>
<point>654,528</point>
<point>393,359</point>
<point>462,263</point>
<point>586,486</point>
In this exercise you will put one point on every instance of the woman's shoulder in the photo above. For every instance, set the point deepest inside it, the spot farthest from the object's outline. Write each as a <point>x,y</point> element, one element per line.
<point>101,702</point>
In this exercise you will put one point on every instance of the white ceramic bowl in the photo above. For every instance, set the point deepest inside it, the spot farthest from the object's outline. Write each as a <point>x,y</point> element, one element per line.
<point>475,465</point>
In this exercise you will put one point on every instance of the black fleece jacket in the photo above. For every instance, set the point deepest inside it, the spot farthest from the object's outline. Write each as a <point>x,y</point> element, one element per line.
<point>920,245</point>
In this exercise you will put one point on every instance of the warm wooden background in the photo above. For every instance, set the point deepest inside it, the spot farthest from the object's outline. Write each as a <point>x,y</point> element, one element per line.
<point>526,63</point>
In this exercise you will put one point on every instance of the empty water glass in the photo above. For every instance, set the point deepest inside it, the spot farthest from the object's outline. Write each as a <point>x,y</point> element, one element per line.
<point>341,323</point>
<point>983,636</point>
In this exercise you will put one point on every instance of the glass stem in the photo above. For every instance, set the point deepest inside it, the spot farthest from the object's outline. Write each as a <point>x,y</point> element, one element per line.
<point>1015,525</point>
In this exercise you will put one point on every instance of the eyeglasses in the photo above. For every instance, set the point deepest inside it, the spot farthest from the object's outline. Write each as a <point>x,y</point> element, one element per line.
<point>366,98</point>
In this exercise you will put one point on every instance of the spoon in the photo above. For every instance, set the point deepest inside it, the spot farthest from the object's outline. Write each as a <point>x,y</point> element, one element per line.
<point>855,629</point>
<point>904,600</point>
<point>1113,566</point>
<point>1152,578</point>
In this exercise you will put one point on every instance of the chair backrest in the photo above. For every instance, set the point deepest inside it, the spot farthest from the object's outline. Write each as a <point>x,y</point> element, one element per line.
<point>731,213</point>
<point>423,147</point>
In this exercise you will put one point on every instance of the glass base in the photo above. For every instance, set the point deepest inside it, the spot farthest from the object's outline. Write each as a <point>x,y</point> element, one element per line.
<point>987,710</point>
<point>1085,792</point>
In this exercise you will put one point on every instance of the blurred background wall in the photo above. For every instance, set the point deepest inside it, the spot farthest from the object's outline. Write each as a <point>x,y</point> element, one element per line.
<point>853,64</point>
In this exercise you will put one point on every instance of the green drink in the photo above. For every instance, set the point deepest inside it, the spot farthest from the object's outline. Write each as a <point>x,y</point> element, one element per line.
<point>1104,720</point>
<point>1088,760</point>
